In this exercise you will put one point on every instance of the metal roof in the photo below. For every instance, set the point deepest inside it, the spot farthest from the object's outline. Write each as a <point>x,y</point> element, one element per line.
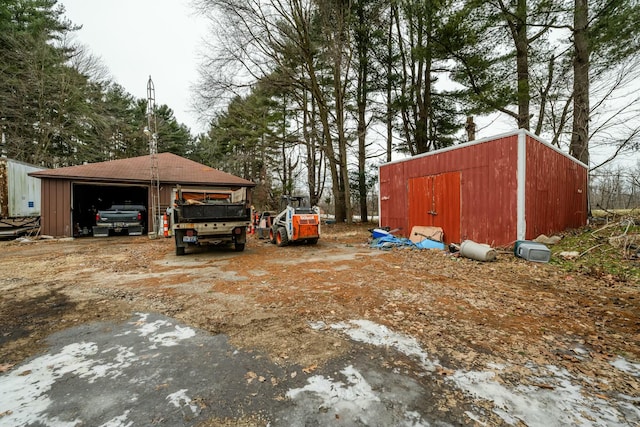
<point>466,145</point>
<point>172,169</point>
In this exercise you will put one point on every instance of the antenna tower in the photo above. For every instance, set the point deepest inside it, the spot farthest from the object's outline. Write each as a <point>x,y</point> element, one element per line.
<point>152,132</point>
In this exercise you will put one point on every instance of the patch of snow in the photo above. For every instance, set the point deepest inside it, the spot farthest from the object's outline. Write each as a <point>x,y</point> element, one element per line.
<point>317,326</point>
<point>372,333</point>
<point>354,400</point>
<point>358,393</point>
<point>152,328</point>
<point>564,404</point>
<point>414,419</point>
<point>169,339</point>
<point>580,351</point>
<point>180,399</point>
<point>23,392</point>
<point>143,318</point>
<point>123,359</point>
<point>496,366</point>
<point>166,339</point>
<point>119,421</point>
<point>474,417</point>
<point>624,365</point>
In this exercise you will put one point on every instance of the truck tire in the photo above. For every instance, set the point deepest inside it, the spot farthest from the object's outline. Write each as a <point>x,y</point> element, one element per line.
<point>180,250</point>
<point>281,237</point>
<point>238,247</point>
<point>272,235</point>
<point>312,241</point>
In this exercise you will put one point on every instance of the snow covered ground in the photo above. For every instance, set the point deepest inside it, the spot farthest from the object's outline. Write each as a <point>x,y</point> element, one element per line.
<point>560,402</point>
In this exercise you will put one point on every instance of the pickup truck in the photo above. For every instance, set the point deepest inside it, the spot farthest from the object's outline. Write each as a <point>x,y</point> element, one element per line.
<point>211,216</point>
<point>120,218</point>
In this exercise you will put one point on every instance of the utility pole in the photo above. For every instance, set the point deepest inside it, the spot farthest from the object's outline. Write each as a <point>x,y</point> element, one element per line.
<point>152,132</point>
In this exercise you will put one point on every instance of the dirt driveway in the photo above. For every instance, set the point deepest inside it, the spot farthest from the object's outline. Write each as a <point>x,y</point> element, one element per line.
<point>502,343</point>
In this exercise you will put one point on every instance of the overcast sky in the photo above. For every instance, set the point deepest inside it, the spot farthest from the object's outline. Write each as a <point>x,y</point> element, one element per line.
<point>140,38</point>
<point>161,38</point>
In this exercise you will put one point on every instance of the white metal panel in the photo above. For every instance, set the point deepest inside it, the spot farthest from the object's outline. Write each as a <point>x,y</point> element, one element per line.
<point>522,174</point>
<point>23,191</point>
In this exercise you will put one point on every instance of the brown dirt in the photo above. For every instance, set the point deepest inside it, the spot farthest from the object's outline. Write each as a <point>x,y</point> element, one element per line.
<point>461,311</point>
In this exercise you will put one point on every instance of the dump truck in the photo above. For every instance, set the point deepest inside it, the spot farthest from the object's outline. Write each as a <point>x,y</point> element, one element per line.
<point>297,222</point>
<point>210,216</point>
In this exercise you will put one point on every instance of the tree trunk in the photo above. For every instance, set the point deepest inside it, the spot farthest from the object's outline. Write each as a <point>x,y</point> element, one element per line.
<point>338,45</point>
<point>362,44</point>
<point>327,146</point>
<point>390,113</point>
<point>315,182</point>
<point>522,64</point>
<point>517,23</point>
<point>579,147</point>
<point>362,146</point>
<point>344,196</point>
<point>422,86</point>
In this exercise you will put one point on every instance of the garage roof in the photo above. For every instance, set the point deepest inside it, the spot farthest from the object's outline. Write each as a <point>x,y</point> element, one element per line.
<point>171,169</point>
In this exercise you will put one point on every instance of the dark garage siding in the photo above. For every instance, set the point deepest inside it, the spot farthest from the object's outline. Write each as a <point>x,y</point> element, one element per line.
<point>131,175</point>
<point>56,207</point>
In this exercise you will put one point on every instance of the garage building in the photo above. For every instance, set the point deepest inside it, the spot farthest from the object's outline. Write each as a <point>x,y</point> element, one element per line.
<point>72,195</point>
<point>496,190</point>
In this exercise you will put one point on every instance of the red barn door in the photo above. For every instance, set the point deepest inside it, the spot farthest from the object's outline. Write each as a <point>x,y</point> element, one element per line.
<point>435,201</point>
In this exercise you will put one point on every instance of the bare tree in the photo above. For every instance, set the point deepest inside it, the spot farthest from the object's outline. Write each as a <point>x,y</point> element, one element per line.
<point>306,42</point>
<point>616,188</point>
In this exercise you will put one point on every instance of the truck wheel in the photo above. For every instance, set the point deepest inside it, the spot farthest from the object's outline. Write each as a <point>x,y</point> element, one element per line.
<point>179,250</point>
<point>238,247</point>
<point>281,237</point>
<point>312,241</point>
<point>272,236</point>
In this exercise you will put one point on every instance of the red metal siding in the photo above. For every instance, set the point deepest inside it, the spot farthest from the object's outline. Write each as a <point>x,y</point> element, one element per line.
<point>393,197</point>
<point>556,191</point>
<point>488,188</point>
<point>421,201</point>
<point>435,201</point>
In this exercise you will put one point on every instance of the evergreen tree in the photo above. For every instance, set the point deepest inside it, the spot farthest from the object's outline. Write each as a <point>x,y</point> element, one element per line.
<point>173,137</point>
<point>52,112</point>
<point>35,85</point>
<point>423,64</point>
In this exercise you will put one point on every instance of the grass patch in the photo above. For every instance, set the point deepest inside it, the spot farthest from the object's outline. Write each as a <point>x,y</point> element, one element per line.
<point>609,251</point>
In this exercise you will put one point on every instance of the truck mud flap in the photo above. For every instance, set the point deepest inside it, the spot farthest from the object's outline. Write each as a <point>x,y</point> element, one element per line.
<point>135,231</point>
<point>100,232</point>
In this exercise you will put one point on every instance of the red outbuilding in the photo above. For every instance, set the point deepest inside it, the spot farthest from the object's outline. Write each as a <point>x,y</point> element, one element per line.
<point>495,190</point>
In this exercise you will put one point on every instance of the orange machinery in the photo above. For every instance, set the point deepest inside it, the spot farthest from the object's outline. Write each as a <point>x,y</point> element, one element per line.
<point>297,222</point>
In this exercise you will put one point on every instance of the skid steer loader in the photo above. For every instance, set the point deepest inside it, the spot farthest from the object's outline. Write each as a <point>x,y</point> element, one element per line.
<point>297,222</point>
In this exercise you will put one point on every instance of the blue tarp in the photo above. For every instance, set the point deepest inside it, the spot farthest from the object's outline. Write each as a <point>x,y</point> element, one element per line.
<point>390,241</point>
